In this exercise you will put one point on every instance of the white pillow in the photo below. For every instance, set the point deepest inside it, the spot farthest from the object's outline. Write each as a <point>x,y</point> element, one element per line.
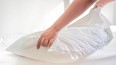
<point>74,42</point>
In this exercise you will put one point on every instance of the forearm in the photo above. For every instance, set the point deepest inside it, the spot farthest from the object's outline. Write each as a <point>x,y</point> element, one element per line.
<point>76,8</point>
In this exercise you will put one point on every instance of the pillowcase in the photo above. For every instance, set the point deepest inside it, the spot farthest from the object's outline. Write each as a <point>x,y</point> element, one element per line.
<point>74,42</point>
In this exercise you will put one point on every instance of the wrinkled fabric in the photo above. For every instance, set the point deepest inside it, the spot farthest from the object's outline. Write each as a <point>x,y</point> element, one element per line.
<point>73,42</point>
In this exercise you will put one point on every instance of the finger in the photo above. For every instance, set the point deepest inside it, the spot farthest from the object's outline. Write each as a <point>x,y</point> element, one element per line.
<point>51,42</point>
<point>95,6</point>
<point>46,42</point>
<point>42,41</point>
<point>39,43</point>
<point>99,4</point>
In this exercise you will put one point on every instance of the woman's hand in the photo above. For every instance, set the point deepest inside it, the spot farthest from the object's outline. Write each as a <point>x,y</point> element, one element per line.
<point>47,37</point>
<point>102,3</point>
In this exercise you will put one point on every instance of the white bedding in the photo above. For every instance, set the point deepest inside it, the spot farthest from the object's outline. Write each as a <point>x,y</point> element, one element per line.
<point>105,56</point>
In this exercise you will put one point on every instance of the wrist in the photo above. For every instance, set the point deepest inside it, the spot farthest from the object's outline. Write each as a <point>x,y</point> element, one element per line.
<point>55,29</point>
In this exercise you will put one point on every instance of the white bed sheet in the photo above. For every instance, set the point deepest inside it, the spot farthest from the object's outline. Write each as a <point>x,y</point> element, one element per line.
<point>104,56</point>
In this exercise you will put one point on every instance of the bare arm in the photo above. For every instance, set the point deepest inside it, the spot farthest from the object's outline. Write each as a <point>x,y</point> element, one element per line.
<point>76,8</point>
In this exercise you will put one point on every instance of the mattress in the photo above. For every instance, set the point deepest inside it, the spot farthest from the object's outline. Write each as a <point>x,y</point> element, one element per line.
<point>104,56</point>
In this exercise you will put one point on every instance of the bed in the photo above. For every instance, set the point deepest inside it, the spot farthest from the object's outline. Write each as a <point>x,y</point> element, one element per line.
<point>104,56</point>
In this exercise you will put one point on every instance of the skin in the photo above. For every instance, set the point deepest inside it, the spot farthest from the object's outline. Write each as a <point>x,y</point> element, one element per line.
<point>102,3</point>
<point>75,9</point>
